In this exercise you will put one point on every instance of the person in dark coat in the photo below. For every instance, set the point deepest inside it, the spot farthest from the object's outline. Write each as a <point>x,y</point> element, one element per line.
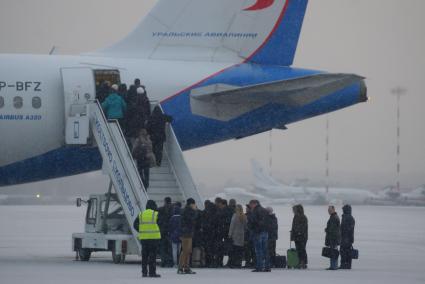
<point>347,237</point>
<point>258,225</point>
<point>144,102</point>
<point>188,223</point>
<point>333,235</point>
<point>156,128</point>
<point>224,216</point>
<point>232,205</point>
<point>122,91</point>
<point>299,234</point>
<point>273,228</point>
<point>164,215</point>
<point>138,111</point>
<point>229,210</point>
<point>198,237</point>
<point>209,226</point>
<point>137,84</point>
<point>249,242</point>
<point>221,233</point>
<point>175,232</point>
<point>102,91</point>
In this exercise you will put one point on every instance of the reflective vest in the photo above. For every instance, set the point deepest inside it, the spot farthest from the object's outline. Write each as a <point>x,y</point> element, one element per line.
<point>148,227</point>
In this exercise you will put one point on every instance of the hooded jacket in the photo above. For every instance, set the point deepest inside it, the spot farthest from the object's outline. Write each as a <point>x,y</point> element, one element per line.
<point>299,231</point>
<point>156,125</point>
<point>347,227</point>
<point>272,227</point>
<point>114,106</point>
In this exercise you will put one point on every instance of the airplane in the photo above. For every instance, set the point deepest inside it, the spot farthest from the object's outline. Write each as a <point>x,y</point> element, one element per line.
<point>387,195</point>
<point>415,197</point>
<point>280,193</point>
<point>391,196</point>
<point>221,69</point>
<point>242,195</point>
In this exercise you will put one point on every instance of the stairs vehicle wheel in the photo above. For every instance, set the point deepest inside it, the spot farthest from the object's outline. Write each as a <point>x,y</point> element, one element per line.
<point>117,258</point>
<point>84,254</point>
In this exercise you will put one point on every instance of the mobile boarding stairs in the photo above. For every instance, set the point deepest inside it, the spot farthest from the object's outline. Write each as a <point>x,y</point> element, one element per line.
<point>110,216</point>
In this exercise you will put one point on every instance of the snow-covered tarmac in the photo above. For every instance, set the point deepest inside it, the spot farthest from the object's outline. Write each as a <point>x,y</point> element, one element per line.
<point>35,247</point>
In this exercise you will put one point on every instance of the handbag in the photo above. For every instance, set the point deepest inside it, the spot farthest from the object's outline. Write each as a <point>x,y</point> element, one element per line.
<point>228,246</point>
<point>354,253</point>
<point>330,252</point>
<point>280,261</point>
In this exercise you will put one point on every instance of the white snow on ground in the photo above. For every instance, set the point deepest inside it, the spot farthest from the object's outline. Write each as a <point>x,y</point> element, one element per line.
<point>35,247</point>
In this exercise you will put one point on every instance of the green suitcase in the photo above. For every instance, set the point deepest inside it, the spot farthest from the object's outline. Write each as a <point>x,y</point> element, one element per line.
<point>292,258</point>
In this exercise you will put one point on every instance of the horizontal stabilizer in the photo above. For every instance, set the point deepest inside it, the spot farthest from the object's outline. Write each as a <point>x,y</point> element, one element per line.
<point>226,102</point>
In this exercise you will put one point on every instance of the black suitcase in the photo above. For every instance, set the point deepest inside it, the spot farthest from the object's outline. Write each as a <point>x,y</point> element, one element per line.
<point>280,261</point>
<point>330,252</point>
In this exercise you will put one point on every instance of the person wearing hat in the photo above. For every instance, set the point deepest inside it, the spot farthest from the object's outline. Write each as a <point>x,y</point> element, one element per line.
<point>347,236</point>
<point>138,110</point>
<point>187,226</point>
<point>114,105</point>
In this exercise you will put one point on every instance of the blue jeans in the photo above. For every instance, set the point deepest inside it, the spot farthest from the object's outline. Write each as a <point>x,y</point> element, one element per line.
<point>176,252</point>
<point>261,251</point>
<point>334,261</point>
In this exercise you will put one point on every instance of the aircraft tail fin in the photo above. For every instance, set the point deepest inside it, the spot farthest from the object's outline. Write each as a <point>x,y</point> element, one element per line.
<point>261,176</point>
<point>234,31</point>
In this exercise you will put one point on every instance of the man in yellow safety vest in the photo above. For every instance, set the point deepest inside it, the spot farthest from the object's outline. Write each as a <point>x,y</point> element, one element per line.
<point>149,236</point>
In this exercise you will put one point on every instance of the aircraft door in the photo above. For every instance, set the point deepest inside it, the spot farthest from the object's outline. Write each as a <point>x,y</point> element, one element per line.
<point>78,89</point>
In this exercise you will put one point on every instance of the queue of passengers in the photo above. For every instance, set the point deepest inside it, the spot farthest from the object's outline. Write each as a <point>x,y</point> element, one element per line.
<point>144,130</point>
<point>223,228</point>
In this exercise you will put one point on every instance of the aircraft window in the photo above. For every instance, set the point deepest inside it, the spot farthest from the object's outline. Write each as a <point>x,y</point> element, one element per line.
<point>1,102</point>
<point>36,102</point>
<point>92,211</point>
<point>18,102</point>
<point>115,209</point>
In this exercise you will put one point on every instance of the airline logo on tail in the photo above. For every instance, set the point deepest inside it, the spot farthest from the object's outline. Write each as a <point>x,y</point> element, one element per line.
<point>260,5</point>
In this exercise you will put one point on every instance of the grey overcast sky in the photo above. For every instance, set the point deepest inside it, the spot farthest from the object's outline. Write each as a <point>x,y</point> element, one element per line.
<point>383,40</point>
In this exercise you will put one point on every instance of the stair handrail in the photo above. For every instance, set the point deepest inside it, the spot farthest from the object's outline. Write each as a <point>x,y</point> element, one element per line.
<point>137,194</point>
<point>179,166</point>
<point>127,149</point>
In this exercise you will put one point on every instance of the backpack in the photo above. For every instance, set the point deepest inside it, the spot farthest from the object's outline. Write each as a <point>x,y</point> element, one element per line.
<point>139,151</point>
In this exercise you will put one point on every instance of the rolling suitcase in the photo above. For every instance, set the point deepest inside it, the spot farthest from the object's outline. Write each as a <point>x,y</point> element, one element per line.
<point>292,257</point>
